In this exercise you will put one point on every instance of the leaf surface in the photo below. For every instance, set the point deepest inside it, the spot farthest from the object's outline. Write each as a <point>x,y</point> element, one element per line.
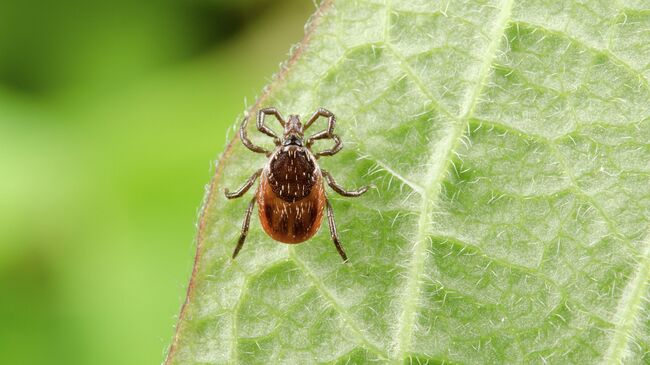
<point>509,142</point>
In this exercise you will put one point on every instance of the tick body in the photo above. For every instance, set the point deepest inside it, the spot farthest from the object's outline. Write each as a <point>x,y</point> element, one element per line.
<point>291,197</point>
<point>291,193</point>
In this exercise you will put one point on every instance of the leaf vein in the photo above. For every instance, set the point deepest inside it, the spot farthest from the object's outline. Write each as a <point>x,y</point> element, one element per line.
<point>418,82</point>
<point>329,297</point>
<point>604,51</point>
<point>385,167</point>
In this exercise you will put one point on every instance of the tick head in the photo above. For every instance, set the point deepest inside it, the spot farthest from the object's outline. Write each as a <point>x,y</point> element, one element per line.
<point>293,133</point>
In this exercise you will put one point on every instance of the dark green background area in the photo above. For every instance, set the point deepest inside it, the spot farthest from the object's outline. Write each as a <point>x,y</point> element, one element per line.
<point>111,115</point>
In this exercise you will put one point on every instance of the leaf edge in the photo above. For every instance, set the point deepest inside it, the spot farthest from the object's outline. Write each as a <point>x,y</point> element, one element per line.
<point>296,52</point>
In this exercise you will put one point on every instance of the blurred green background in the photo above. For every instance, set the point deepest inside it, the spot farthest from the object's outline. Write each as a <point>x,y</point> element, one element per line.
<point>111,115</point>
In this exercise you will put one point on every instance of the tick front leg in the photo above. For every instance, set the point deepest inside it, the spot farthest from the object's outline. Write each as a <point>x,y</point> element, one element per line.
<point>322,112</point>
<point>333,232</point>
<point>324,134</point>
<point>261,126</point>
<point>247,142</point>
<point>244,228</point>
<point>341,190</point>
<point>247,185</point>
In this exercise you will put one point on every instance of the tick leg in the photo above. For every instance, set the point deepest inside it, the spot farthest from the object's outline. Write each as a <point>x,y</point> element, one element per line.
<point>321,112</point>
<point>247,142</point>
<point>324,134</point>
<point>333,232</point>
<point>341,190</point>
<point>261,126</point>
<point>247,185</point>
<point>332,151</point>
<point>244,228</point>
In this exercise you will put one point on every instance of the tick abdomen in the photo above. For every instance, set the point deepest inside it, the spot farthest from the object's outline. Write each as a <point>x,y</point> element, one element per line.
<point>291,196</point>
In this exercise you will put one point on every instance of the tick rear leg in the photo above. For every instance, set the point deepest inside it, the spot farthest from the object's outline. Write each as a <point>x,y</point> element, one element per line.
<point>333,232</point>
<point>247,142</point>
<point>261,126</point>
<point>244,228</point>
<point>247,185</point>
<point>341,190</point>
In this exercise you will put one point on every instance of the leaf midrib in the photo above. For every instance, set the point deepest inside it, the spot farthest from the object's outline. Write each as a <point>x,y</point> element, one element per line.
<point>440,163</point>
<point>629,308</point>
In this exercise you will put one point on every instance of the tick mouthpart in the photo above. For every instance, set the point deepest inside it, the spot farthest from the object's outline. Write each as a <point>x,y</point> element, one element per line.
<point>293,127</point>
<point>292,140</point>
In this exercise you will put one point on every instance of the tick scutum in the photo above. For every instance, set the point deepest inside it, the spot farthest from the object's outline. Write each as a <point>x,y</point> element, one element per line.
<point>292,173</point>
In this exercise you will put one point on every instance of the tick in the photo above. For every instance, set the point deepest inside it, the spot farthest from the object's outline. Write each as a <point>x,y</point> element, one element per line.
<point>291,193</point>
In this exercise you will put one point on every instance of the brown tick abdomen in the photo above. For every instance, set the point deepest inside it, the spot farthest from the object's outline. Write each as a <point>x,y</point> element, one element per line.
<point>291,197</point>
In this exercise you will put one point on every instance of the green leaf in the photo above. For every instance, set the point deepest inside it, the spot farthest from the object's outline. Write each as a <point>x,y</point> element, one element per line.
<point>509,142</point>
